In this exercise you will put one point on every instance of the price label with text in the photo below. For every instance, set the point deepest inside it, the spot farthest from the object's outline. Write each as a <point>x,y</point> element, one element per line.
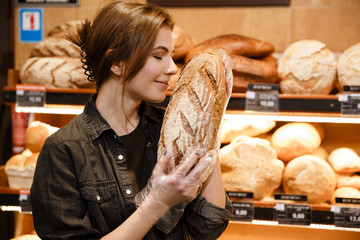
<point>30,95</point>
<point>262,97</point>
<point>243,211</point>
<point>297,214</point>
<point>346,216</point>
<point>24,200</point>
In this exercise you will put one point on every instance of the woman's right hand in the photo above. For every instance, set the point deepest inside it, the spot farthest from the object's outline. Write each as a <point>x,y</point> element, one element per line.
<point>182,185</point>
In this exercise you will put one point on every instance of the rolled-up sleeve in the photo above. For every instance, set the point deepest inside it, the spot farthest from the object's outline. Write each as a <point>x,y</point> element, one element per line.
<point>207,221</point>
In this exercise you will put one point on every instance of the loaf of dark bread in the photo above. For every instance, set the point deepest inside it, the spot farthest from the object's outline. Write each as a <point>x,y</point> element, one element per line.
<point>196,108</point>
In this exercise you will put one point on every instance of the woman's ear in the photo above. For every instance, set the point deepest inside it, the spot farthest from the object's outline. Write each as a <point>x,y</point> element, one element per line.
<point>117,69</point>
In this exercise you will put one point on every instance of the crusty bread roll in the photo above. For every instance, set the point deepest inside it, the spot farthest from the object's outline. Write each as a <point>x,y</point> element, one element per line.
<point>63,29</point>
<point>344,160</point>
<point>36,134</point>
<point>307,67</point>
<point>234,127</point>
<point>345,192</point>
<point>196,108</point>
<point>321,153</point>
<point>348,68</point>
<point>295,139</point>
<point>348,180</point>
<point>310,175</point>
<point>54,72</point>
<point>55,46</point>
<point>20,169</point>
<point>183,42</point>
<point>250,165</point>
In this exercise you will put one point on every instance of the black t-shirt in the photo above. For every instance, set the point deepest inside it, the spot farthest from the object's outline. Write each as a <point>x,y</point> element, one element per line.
<point>138,167</point>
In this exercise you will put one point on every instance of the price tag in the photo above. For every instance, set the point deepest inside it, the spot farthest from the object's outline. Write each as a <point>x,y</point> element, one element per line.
<point>346,216</point>
<point>296,214</point>
<point>262,97</point>
<point>290,197</point>
<point>240,195</point>
<point>350,100</point>
<point>243,211</point>
<point>24,200</point>
<point>30,95</point>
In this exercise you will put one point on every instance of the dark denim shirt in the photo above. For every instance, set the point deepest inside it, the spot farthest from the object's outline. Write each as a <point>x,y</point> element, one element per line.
<point>82,191</point>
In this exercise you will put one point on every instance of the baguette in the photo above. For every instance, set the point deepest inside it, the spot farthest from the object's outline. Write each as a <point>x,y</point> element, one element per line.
<point>234,44</point>
<point>194,113</point>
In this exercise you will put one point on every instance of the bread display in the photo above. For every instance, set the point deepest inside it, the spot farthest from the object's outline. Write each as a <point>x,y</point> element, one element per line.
<point>348,68</point>
<point>311,176</point>
<point>250,165</point>
<point>307,67</point>
<point>36,134</point>
<point>295,139</point>
<point>348,180</point>
<point>234,127</point>
<point>344,160</point>
<point>345,192</point>
<point>196,108</point>
<point>252,58</point>
<point>20,169</point>
<point>55,62</point>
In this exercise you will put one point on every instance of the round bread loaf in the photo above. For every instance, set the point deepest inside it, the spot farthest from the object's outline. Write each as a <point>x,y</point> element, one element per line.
<point>36,134</point>
<point>344,160</point>
<point>348,68</point>
<point>250,165</point>
<point>55,46</point>
<point>307,67</point>
<point>345,192</point>
<point>295,139</point>
<point>310,175</point>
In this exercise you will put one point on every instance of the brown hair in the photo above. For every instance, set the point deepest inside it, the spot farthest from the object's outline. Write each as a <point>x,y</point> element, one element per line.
<point>121,32</point>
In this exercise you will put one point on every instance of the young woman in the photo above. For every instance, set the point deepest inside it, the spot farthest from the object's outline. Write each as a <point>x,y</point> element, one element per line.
<point>89,171</point>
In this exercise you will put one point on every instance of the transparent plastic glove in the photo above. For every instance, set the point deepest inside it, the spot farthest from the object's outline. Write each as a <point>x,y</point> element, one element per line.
<point>172,192</point>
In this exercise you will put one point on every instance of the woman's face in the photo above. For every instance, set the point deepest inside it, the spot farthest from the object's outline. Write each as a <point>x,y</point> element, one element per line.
<point>151,83</point>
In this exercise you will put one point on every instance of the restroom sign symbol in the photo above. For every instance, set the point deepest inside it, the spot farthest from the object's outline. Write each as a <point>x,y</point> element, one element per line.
<point>31,25</point>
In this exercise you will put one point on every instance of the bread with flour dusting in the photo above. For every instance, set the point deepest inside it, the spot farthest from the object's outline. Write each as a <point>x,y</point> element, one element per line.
<point>194,113</point>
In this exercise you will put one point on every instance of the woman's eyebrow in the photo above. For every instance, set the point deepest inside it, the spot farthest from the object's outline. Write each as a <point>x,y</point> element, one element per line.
<point>162,48</point>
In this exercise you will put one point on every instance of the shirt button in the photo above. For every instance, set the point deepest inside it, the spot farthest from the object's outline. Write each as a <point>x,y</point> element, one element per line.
<point>115,136</point>
<point>149,144</point>
<point>120,157</point>
<point>98,197</point>
<point>128,191</point>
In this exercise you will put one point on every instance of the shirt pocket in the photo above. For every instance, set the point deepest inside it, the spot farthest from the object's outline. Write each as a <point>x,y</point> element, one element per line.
<point>104,194</point>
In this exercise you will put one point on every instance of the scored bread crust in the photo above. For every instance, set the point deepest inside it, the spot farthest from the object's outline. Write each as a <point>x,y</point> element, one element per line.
<point>194,113</point>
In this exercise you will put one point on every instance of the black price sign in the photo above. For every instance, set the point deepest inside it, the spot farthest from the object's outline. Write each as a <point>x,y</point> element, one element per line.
<point>296,214</point>
<point>240,195</point>
<point>346,216</point>
<point>350,100</point>
<point>243,211</point>
<point>30,95</point>
<point>24,200</point>
<point>291,197</point>
<point>262,97</point>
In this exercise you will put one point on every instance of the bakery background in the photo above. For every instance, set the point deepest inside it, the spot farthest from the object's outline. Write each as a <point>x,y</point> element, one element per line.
<point>331,22</point>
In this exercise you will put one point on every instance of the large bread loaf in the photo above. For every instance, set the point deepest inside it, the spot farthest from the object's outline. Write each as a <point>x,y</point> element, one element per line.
<point>196,108</point>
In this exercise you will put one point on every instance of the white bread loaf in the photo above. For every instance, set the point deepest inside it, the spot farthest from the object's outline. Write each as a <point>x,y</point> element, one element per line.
<point>295,139</point>
<point>250,165</point>
<point>348,180</point>
<point>310,175</point>
<point>234,127</point>
<point>197,104</point>
<point>55,46</point>
<point>344,160</point>
<point>348,68</point>
<point>307,67</point>
<point>20,169</point>
<point>54,72</point>
<point>36,134</point>
<point>345,192</point>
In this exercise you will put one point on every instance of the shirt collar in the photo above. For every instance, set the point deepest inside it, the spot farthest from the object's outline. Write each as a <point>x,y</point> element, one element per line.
<point>96,124</point>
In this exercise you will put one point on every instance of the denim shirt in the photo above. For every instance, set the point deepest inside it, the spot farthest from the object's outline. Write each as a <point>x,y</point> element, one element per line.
<point>81,190</point>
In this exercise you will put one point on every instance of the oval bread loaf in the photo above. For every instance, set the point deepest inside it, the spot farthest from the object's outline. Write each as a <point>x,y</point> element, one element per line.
<point>194,113</point>
<point>348,69</point>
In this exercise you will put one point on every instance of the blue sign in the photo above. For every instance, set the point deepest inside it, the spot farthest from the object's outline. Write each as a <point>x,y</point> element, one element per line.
<point>31,25</point>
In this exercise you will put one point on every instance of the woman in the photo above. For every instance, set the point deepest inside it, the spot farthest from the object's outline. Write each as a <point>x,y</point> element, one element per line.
<point>89,171</point>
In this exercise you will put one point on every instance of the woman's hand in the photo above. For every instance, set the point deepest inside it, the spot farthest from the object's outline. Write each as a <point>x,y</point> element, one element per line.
<point>182,185</point>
